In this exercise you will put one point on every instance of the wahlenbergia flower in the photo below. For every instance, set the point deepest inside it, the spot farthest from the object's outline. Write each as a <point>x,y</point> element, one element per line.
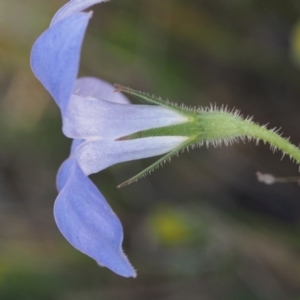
<point>97,119</point>
<point>106,130</point>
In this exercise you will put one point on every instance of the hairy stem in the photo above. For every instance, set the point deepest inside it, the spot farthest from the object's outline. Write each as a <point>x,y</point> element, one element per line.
<point>217,126</point>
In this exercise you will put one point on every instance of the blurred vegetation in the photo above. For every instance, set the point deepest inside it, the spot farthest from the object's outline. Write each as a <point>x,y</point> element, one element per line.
<point>200,228</point>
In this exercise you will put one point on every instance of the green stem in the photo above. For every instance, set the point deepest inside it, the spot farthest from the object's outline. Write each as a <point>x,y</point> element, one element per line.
<point>217,126</point>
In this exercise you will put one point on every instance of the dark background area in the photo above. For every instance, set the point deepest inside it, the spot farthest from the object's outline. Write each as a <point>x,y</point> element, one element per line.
<point>202,227</point>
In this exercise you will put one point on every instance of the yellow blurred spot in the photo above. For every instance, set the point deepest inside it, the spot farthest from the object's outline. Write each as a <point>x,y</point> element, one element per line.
<point>170,227</point>
<point>295,44</point>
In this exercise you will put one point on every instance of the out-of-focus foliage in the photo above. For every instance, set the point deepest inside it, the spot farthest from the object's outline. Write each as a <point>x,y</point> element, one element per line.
<point>202,227</point>
<point>295,43</point>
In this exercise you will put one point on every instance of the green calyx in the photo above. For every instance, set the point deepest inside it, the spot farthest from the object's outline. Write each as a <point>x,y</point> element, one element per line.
<point>209,126</point>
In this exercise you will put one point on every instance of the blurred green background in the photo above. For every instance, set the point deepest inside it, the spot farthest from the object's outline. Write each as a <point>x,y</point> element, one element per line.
<point>202,227</point>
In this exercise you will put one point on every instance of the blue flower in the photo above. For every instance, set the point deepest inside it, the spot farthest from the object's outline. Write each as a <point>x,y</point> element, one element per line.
<point>97,120</point>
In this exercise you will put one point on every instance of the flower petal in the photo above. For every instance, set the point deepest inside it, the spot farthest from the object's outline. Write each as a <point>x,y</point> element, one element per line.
<point>64,173</point>
<point>96,155</point>
<point>55,56</point>
<point>93,118</point>
<point>88,223</point>
<point>66,167</point>
<point>72,7</point>
<point>96,88</point>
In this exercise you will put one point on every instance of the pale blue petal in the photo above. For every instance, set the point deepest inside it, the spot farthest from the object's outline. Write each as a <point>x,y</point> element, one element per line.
<point>73,6</point>
<point>74,145</point>
<point>64,173</point>
<point>66,167</point>
<point>96,155</point>
<point>92,118</point>
<point>96,88</point>
<point>88,223</point>
<point>55,56</point>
